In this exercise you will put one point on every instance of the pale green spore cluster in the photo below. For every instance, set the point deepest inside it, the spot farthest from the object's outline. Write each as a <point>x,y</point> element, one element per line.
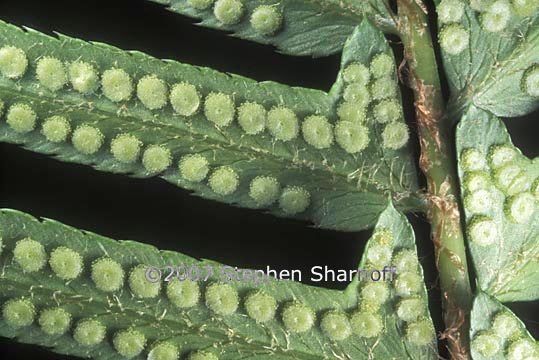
<point>454,39</point>
<point>420,332</point>
<point>479,202</point>
<point>512,179</point>
<point>500,155</point>
<point>30,255</point>
<point>139,284</point>
<point>522,349</point>
<point>21,118</point>
<point>298,317</point>
<point>374,294</point>
<point>408,284</point>
<point>264,190</point>
<point>51,73</point>
<point>317,131</point>
<point>260,306</point>
<point>367,324</point>
<point>125,148</point>
<point>357,73</point>
<point>350,112</point>
<point>156,159</point>
<point>520,208</point>
<point>473,160</point>
<point>525,7</point>
<point>87,139</point>
<point>117,85</point>
<point>496,16</point>
<point>352,137</point>
<point>56,129</point>
<point>487,344</point>
<point>450,11</point>
<point>13,62</point>
<point>505,325</point>
<point>357,94</point>
<point>283,124</point>
<point>66,263</point>
<point>89,332</point>
<point>410,309</point>
<point>152,92</point>
<point>384,88</point>
<point>164,351</point>
<point>405,261</point>
<point>194,167</point>
<point>18,313</point>
<point>107,274</point>
<point>219,108</point>
<point>129,343</point>
<point>266,19</point>
<point>382,66</point>
<point>475,180</point>
<point>379,254</point>
<point>222,298</point>
<point>483,231</point>
<point>185,99</point>
<point>54,321</point>
<point>83,77</point>
<point>336,325</point>
<point>395,135</point>
<point>224,181</point>
<point>228,12</point>
<point>294,200</point>
<point>388,111</point>
<point>183,294</point>
<point>252,118</point>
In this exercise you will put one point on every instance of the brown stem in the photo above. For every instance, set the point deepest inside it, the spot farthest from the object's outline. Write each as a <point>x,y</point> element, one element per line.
<point>437,161</point>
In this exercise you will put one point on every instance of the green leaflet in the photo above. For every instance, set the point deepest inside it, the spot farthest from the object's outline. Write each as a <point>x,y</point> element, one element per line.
<point>487,68</point>
<point>305,27</point>
<point>341,186</point>
<point>195,327</point>
<point>501,194</point>
<point>497,333</point>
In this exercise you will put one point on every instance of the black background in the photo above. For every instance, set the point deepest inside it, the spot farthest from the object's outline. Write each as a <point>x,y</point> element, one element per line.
<point>161,214</point>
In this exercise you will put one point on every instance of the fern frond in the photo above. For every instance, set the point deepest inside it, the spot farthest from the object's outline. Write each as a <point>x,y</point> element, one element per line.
<point>297,152</point>
<point>488,53</point>
<point>501,192</point>
<point>316,28</point>
<point>85,295</point>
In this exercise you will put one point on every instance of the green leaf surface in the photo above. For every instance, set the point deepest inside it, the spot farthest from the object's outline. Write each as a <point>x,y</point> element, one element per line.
<point>495,327</point>
<point>488,72</point>
<point>316,28</point>
<point>345,191</point>
<point>199,327</point>
<point>506,255</point>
